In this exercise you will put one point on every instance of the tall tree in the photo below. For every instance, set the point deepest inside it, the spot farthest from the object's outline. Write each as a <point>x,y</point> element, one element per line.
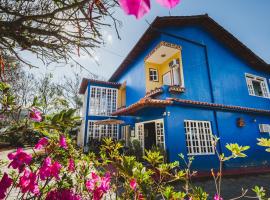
<point>54,30</point>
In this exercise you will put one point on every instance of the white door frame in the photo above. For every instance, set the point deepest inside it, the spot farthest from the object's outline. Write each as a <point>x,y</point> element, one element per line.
<point>140,125</point>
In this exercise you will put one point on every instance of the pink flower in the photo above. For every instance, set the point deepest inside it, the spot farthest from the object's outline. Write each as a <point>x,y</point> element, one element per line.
<point>217,197</point>
<point>55,170</point>
<point>35,115</point>
<point>135,7</point>
<point>5,183</point>
<point>49,170</point>
<point>133,184</point>
<point>71,165</point>
<point>63,142</point>
<point>41,143</point>
<point>98,186</point>
<point>168,3</point>
<point>65,194</point>
<point>19,159</point>
<point>28,182</point>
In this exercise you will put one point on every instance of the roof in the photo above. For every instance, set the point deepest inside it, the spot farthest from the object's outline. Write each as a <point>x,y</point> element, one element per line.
<point>142,103</point>
<point>85,81</point>
<point>148,102</point>
<point>203,20</point>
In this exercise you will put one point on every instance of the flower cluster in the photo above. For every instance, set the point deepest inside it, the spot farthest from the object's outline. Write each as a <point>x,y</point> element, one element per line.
<point>49,169</point>
<point>19,159</point>
<point>28,182</point>
<point>140,7</point>
<point>98,186</point>
<point>35,115</point>
<point>66,194</point>
<point>5,183</point>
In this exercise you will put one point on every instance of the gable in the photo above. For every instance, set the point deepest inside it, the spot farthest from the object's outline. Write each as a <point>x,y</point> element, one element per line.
<point>202,20</point>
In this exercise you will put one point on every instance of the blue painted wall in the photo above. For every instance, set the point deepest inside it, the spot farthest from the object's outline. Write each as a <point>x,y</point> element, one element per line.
<point>220,80</point>
<point>227,71</point>
<point>175,135</point>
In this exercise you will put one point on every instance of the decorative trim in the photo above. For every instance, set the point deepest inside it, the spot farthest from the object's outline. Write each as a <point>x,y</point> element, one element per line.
<point>163,43</point>
<point>154,92</point>
<point>176,89</point>
<point>220,106</point>
<point>144,102</point>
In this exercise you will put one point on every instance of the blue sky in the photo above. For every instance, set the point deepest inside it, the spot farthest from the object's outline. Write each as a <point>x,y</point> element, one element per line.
<point>248,20</point>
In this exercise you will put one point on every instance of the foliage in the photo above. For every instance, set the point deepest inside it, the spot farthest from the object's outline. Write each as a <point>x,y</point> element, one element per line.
<point>53,30</point>
<point>57,168</point>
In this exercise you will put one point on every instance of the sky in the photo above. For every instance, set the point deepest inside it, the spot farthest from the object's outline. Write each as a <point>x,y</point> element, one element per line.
<point>247,20</point>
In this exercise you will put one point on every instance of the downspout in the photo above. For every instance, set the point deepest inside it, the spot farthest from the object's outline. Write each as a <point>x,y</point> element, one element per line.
<point>86,115</point>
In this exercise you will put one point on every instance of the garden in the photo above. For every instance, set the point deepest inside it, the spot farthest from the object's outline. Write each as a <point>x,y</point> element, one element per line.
<point>53,166</point>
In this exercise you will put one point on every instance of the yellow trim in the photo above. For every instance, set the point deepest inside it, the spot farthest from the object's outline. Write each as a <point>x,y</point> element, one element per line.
<point>162,69</point>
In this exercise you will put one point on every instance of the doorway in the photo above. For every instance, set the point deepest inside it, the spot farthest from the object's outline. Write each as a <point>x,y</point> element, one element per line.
<point>149,135</point>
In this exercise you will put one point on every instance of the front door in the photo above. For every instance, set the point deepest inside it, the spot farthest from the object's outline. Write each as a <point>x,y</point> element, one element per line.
<point>150,133</point>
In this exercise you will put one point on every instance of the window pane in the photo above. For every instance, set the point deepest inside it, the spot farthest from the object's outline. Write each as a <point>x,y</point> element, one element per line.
<point>257,88</point>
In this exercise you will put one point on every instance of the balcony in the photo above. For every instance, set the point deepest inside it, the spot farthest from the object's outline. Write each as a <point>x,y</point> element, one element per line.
<point>163,66</point>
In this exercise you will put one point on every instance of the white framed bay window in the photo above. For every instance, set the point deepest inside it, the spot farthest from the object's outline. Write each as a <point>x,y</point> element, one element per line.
<point>199,138</point>
<point>257,86</point>
<point>103,101</point>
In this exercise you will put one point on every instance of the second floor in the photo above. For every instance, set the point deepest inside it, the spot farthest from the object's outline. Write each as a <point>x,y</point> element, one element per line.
<point>186,61</point>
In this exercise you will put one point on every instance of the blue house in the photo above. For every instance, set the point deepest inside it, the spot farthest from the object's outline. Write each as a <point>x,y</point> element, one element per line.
<point>186,79</point>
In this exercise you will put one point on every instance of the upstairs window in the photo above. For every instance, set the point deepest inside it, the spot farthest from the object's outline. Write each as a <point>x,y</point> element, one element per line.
<point>257,86</point>
<point>102,101</point>
<point>153,74</point>
<point>199,138</point>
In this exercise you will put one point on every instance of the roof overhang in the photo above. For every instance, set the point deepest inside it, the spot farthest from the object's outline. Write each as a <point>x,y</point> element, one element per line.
<point>202,20</point>
<point>141,104</point>
<point>85,82</point>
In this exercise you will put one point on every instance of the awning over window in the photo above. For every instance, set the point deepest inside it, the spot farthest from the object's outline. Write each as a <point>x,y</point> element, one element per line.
<point>109,122</point>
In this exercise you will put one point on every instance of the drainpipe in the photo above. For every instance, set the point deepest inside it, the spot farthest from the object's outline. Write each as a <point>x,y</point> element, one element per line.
<point>86,115</point>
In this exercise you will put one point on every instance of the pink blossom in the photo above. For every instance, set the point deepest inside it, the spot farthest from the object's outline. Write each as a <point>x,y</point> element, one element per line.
<point>71,165</point>
<point>49,170</point>
<point>5,183</point>
<point>217,197</point>
<point>65,194</point>
<point>168,3</point>
<point>133,184</point>
<point>19,159</point>
<point>55,170</point>
<point>41,143</point>
<point>63,142</point>
<point>28,182</point>
<point>98,186</point>
<point>35,115</point>
<point>135,7</point>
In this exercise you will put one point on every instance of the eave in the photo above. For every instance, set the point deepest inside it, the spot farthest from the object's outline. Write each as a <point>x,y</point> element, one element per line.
<point>85,81</point>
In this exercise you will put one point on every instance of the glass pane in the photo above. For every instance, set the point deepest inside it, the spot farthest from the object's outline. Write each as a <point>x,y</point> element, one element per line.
<point>257,88</point>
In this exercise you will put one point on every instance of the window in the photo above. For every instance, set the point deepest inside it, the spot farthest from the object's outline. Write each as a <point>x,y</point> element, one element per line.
<point>257,86</point>
<point>199,140</point>
<point>101,131</point>
<point>153,74</point>
<point>102,101</point>
<point>264,128</point>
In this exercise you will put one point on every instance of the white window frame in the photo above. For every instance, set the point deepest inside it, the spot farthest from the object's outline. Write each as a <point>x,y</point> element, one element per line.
<point>103,101</point>
<point>263,84</point>
<point>199,137</point>
<point>264,128</point>
<point>102,131</point>
<point>154,76</point>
